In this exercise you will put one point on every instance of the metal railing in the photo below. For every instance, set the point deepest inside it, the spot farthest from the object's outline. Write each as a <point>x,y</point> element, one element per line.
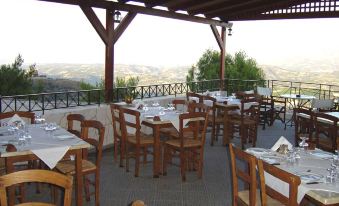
<point>59,100</point>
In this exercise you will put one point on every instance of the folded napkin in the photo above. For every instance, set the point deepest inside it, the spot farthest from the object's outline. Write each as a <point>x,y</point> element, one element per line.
<point>281,140</point>
<point>196,99</point>
<point>51,156</point>
<point>15,118</point>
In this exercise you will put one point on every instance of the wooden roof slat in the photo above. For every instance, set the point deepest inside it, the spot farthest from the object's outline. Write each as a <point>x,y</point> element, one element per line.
<point>176,5</point>
<point>205,6</point>
<point>258,9</point>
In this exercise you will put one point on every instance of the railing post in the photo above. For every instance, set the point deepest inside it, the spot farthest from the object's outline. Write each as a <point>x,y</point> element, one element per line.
<point>100,96</point>
<point>55,100</point>
<point>29,103</point>
<point>15,104</point>
<point>43,103</point>
<point>89,97</point>
<point>320,86</point>
<point>67,104</point>
<point>0,104</point>
<point>78,98</point>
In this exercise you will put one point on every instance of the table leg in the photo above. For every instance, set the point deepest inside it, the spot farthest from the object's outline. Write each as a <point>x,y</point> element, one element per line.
<point>79,178</point>
<point>157,153</point>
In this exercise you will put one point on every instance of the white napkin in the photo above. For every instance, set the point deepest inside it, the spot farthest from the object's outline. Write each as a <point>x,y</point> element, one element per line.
<point>281,140</point>
<point>51,156</point>
<point>15,118</point>
<point>196,99</point>
<point>208,102</point>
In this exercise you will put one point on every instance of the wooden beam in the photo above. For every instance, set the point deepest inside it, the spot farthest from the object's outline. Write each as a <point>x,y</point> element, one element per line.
<point>123,25</point>
<point>222,55</point>
<point>217,36</point>
<point>93,18</point>
<point>142,10</point>
<point>225,8</point>
<point>109,56</point>
<point>309,15</point>
<point>198,8</point>
<point>152,3</point>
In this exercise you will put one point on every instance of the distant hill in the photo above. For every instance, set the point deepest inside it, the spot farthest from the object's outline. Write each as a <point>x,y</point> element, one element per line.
<point>93,73</point>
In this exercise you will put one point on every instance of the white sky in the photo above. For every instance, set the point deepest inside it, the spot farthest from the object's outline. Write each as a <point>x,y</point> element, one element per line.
<point>54,33</point>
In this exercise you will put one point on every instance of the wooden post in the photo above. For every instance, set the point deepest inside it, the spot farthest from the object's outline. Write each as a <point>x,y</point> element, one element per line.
<point>109,56</point>
<point>221,40</point>
<point>222,57</point>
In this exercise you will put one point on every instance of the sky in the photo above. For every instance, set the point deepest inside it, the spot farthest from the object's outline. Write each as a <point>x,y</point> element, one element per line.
<point>44,32</point>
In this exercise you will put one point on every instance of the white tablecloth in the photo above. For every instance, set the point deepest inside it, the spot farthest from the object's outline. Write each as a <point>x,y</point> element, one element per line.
<point>47,146</point>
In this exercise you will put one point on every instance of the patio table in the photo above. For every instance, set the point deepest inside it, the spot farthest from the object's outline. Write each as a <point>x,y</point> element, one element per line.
<point>318,191</point>
<point>41,147</point>
<point>295,101</point>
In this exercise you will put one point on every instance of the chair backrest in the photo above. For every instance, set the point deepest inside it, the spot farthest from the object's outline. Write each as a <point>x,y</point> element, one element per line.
<point>192,96</point>
<point>197,124</point>
<point>118,121</point>
<point>198,107</point>
<point>133,122</point>
<point>264,91</point>
<point>28,115</point>
<point>180,103</point>
<point>251,108</point>
<point>246,174</point>
<point>303,120</point>
<point>326,126</point>
<point>322,104</point>
<point>97,142</point>
<point>43,176</point>
<point>71,119</point>
<point>209,101</point>
<point>292,180</point>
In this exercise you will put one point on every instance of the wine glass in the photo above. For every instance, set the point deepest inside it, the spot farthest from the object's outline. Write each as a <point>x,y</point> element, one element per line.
<point>303,144</point>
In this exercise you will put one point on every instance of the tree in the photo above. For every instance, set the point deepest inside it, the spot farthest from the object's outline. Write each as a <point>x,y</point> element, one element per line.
<point>14,79</point>
<point>238,66</point>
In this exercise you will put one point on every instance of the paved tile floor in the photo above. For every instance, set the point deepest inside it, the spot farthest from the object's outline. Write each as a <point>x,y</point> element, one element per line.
<point>118,188</point>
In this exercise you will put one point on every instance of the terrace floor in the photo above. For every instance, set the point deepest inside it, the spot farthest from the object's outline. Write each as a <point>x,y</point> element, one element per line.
<point>118,188</point>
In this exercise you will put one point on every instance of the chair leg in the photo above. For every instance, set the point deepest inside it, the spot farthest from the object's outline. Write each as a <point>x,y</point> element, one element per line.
<point>137,161</point>
<point>127,157</point>
<point>164,164</point>
<point>97,187</point>
<point>88,195</point>
<point>122,153</point>
<point>115,149</point>
<point>183,165</point>
<point>145,155</point>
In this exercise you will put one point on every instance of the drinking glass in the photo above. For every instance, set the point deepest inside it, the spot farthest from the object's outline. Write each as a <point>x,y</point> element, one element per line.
<point>303,144</point>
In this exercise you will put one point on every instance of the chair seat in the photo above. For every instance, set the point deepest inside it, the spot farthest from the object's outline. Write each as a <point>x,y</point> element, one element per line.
<point>244,196</point>
<point>68,166</point>
<point>144,139</point>
<point>170,131</point>
<point>187,143</point>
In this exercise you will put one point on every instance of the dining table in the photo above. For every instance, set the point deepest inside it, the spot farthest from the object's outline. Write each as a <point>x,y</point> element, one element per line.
<point>167,117</point>
<point>312,166</point>
<point>49,145</point>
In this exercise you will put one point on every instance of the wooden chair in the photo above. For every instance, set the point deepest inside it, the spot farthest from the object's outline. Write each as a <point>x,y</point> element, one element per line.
<point>171,131</point>
<point>270,196</point>
<point>191,96</point>
<point>222,117</point>
<point>88,167</point>
<point>303,125</point>
<point>29,115</point>
<point>71,118</point>
<point>279,110</point>
<point>247,121</point>
<point>266,106</point>
<point>118,121</point>
<point>138,140</point>
<point>246,175</point>
<point>190,148</point>
<point>41,176</point>
<point>326,131</point>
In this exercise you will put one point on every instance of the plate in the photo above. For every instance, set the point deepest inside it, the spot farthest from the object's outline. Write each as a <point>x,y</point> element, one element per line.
<point>321,154</point>
<point>258,151</point>
<point>271,159</point>
<point>64,136</point>
<point>307,177</point>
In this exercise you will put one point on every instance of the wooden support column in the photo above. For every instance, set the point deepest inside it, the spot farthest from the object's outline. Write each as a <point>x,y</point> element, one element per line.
<point>109,36</point>
<point>221,40</point>
<point>109,56</point>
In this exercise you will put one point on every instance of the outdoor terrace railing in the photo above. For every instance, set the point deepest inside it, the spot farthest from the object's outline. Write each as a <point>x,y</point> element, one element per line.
<point>60,100</point>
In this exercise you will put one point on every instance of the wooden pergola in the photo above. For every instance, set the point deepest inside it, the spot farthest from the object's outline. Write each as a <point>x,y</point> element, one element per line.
<point>216,13</point>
